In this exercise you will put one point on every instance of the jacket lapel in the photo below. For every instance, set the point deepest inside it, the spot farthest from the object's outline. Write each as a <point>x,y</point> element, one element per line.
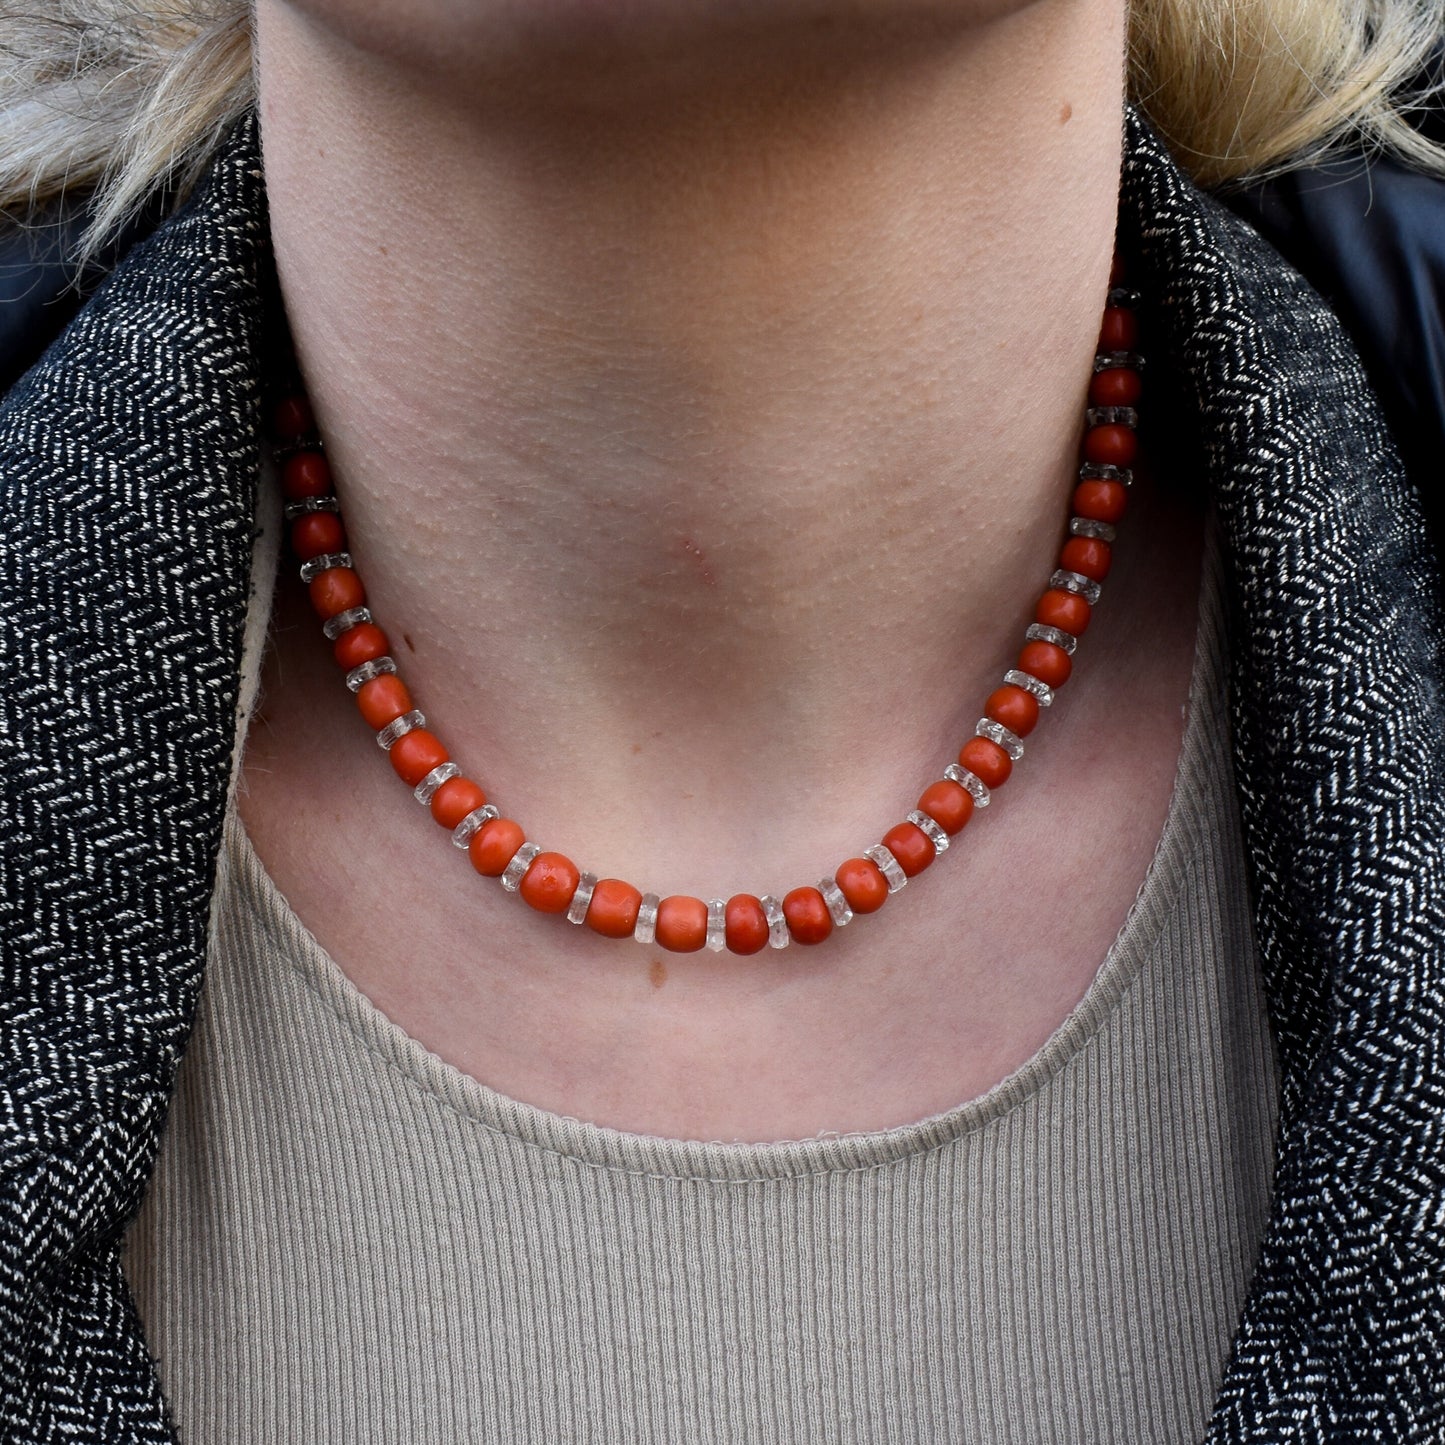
<point>1336,669</point>
<point>128,457</point>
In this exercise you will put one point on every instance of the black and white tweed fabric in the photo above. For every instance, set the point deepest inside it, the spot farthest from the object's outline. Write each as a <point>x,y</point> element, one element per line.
<point>128,462</point>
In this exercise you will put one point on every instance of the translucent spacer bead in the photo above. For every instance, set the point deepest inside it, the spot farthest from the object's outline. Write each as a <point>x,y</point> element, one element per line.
<point>996,732</point>
<point>1106,472</point>
<point>310,504</point>
<point>936,835</point>
<point>1088,527</point>
<point>473,823</point>
<point>426,790</point>
<point>778,935</point>
<point>1041,632</point>
<point>978,789</point>
<point>1111,360</point>
<point>324,563</point>
<point>359,676</point>
<point>1026,680</point>
<point>581,899</point>
<point>888,866</point>
<point>1078,584</point>
<point>399,729</point>
<point>717,924</point>
<point>333,627</point>
<point>521,861</point>
<point>646,929</point>
<point>837,903</point>
<point>1112,416</point>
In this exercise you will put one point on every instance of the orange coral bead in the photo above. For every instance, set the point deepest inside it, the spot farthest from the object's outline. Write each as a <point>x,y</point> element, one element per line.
<point>454,800</point>
<point>1088,556</point>
<point>1111,445</point>
<point>1015,707</point>
<point>1065,610</point>
<point>863,884</point>
<point>549,883</point>
<point>307,474</point>
<point>745,924</point>
<point>911,846</point>
<point>681,923</point>
<point>1119,329</point>
<point>292,418</point>
<point>1103,501</point>
<point>493,845</point>
<point>336,590</point>
<point>948,804</point>
<point>986,761</point>
<point>613,909</point>
<point>415,754</point>
<point>1045,661</point>
<point>315,534</point>
<point>383,700</point>
<point>806,911</point>
<point>1118,386</point>
<point>363,643</point>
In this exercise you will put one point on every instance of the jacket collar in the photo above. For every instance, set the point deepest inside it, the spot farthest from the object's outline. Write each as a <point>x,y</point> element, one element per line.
<point>130,459</point>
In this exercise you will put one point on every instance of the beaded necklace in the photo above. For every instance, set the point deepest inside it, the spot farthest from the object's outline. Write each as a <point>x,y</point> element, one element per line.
<point>550,882</point>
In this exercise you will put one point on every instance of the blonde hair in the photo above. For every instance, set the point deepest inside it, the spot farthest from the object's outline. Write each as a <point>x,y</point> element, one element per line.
<point>115,99</point>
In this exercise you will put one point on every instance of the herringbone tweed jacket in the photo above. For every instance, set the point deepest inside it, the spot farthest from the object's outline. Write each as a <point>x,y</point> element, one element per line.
<point>129,459</point>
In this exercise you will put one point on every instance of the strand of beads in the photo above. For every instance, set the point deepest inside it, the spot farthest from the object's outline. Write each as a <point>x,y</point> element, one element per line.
<point>550,882</point>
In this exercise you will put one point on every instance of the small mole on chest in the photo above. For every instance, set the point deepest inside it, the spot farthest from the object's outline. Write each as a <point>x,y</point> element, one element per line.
<point>657,973</point>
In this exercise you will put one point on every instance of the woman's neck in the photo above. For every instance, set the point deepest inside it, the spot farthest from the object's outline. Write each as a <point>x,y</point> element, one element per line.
<point>703,411</point>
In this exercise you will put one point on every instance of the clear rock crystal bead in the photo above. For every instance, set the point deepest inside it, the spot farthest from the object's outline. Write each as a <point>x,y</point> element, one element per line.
<point>324,563</point>
<point>521,861</point>
<point>358,677</point>
<point>978,789</point>
<point>996,732</point>
<point>717,924</point>
<point>646,929</point>
<point>577,909</point>
<point>778,935</point>
<point>426,790</point>
<point>1111,416</point>
<point>1077,583</point>
<point>1041,632</point>
<point>837,903</point>
<point>934,833</point>
<point>333,627</point>
<point>1088,527</point>
<point>399,729</point>
<point>473,823</point>
<point>1111,360</point>
<point>310,504</point>
<point>888,865</point>
<point>1123,296</point>
<point>1026,680</point>
<point>1106,472</point>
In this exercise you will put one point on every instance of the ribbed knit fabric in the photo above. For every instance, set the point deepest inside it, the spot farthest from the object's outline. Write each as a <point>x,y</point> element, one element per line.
<point>348,1240</point>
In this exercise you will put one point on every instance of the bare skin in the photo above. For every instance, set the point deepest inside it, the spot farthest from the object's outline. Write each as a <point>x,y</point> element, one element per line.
<point>703,390</point>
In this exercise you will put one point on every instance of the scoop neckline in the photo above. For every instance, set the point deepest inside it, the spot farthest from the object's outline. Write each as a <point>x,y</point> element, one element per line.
<point>726,1162</point>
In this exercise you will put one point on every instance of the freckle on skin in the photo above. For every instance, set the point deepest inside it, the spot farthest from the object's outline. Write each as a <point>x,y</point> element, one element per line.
<point>636,748</point>
<point>657,974</point>
<point>1066,114</point>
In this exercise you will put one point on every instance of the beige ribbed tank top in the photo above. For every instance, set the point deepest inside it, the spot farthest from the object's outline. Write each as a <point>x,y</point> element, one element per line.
<point>347,1240</point>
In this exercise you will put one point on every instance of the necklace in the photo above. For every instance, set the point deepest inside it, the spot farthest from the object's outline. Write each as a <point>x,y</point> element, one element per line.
<point>550,882</point>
